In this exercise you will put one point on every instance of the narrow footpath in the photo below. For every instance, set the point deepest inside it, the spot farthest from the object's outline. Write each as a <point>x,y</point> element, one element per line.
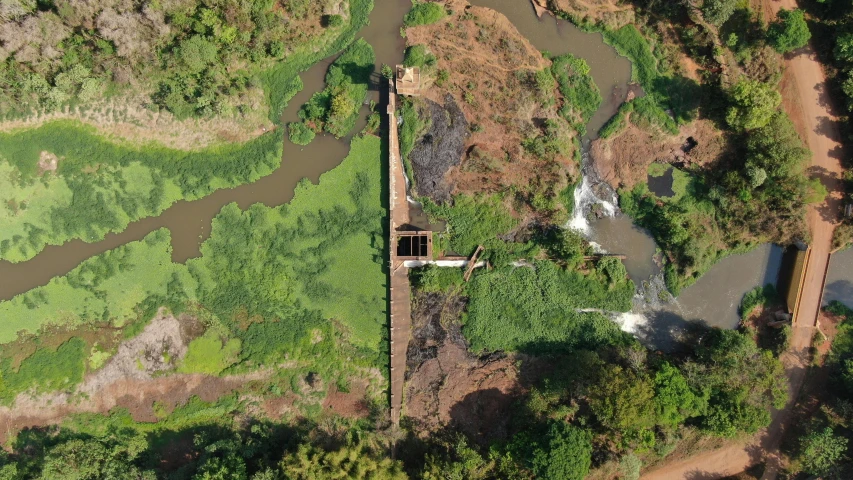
<point>808,104</point>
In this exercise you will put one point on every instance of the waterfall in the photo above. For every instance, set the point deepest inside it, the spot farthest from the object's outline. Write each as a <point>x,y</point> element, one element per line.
<point>589,193</point>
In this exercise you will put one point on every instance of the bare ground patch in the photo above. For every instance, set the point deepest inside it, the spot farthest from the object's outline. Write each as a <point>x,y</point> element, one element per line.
<point>622,161</point>
<point>488,64</point>
<point>130,379</point>
<point>127,119</point>
<point>448,385</point>
<point>48,162</point>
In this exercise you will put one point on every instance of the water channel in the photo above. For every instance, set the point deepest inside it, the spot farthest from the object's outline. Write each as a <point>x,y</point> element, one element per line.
<point>189,221</point>
<point>839,279</point>
<point>714,298</point>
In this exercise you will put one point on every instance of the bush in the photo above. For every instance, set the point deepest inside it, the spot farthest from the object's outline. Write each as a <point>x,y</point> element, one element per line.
<point>424,13</point>
<point>334,21</point>
<point>567,455</point>
<point>579,91</point>
<point>300,133</point>
<point>418,56</point>
<point>789,32</point>
<point>534,310</point>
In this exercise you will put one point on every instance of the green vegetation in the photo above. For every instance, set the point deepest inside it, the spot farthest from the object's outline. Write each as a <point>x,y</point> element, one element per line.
<point>418,56</point>
<point>279,81</point>
<point>208,354</point>
<point>335,109</point>
<point>638,406</point>
<point>216,445</point>
<point>760,197</point>
<point>473,221</point>
<point>790,31</point>
<point>535,309</point>
<point>716,12</point>
<point>820,445</point>
<point>753,105</point>
<point>101,186</point>
<point>424,13</point>
<point>757,297</point>
<point>416,121</point>
<point>664,89</point>
<point>300,133</point>
<point>108,287</point>
<point>44,371</point>
<point>580,93</point>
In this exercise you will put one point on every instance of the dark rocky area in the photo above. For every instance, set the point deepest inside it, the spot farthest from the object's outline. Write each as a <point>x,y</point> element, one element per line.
<point>439,150</point>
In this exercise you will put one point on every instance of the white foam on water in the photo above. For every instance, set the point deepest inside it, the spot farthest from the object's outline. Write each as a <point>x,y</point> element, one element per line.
<point>585,197</point>
<point>596,247</point>
<point>631,322</point>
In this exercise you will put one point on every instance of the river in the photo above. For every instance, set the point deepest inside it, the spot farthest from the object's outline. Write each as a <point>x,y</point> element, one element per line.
<point>189,221</point>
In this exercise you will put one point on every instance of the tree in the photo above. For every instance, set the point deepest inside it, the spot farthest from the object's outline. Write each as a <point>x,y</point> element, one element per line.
<point>753,105</point>
<point>821,450</point>
<point>566,456</point>
<point>276,49</point>
<point>674,399</point>
<point>789,32</point>
<point>387,71</point>
<point>93,459</point>
<point>334,21</point>
<point>354,460</point>
<point>717,12</point>
<point>424,13</point>
<point>844,48</point>
<point>300,133</point>
<point>196,53</point>
<point>623,400</point>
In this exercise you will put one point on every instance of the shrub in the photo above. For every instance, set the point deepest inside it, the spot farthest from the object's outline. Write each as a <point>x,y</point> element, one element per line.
<point>418,56</point>
<point>334,21</point>
<point>821,450</point>
<point>424,13</point>
<point>300,133</point>
<point>567,455</point>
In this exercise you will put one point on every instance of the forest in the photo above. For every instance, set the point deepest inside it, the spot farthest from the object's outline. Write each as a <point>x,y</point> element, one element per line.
<point>193,59</point>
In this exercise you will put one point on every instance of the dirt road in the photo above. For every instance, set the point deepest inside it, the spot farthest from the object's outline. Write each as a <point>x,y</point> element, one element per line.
<point>808,103</point>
